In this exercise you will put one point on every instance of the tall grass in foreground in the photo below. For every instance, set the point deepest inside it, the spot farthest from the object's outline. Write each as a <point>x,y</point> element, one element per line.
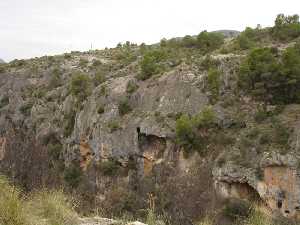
<point>41,208</point>
<point>258,218</point>
<point>12,210</point>
<point>54,207</point>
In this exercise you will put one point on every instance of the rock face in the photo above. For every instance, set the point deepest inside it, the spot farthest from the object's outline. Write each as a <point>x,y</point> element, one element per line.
<point>278,187</point>
<point>123,131</point>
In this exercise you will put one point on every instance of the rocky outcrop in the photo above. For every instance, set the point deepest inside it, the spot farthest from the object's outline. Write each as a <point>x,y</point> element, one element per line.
<point>103,152</point>
<point>278,185</point>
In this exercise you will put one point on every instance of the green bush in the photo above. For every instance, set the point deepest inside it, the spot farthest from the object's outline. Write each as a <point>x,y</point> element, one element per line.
<point>247,39</point>
<point>209,62</point>
<point>69,122</point>
<point>131,87</point>
<point>286,27</point>
<point>189,41</point>
<point>81,86</point>
<point>73,176</point>
<point>100,109</point>
<point>26,108</point>
<point>113,125</point>
<point>214,82</point>
<point>83,62</point>
<point>55,80</point>
<point>282,134</point>
<point>270,78</point>
<point>96,63</point>
<point>151,63</point>
<point>187,130</point>
<point>185,133</point>
<point>2,68</point>
<point>54,150</point>
<point>99,77</point>
<point>206,118</point>
<point>4,101</point>
<point>109,168</point>
<point>68,56</point>
<point>261,115</point>
<point>237,209</point>
<point>124,107</point>
<point>209,41</point>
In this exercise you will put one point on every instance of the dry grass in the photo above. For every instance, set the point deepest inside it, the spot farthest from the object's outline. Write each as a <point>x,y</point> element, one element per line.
<point>41,208</point>
<point>12,210</point>
<point>53,206</point>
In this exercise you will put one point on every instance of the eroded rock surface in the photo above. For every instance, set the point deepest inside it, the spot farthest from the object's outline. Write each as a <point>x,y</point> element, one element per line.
<point>278,186</point>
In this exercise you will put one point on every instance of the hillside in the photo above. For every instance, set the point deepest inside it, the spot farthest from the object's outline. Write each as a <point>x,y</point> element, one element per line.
<point>2,61</point>
<point>193,128</point>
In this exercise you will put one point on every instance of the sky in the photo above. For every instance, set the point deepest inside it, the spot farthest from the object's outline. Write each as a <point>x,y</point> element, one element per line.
<point>33,28</point>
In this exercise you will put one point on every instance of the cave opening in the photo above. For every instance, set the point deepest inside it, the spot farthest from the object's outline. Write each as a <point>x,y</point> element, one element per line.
<point>279,204</point>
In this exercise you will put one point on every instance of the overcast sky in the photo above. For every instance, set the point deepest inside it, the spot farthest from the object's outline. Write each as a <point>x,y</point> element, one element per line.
<point>30,28</point>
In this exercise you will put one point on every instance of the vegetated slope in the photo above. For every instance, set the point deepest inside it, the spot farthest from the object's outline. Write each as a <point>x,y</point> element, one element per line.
<point>186,122</point>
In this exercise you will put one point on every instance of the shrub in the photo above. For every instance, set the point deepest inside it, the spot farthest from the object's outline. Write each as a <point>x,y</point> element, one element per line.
<point>109,168</point>
<point>96,63</point>
<point>67,56</point>
<point>187,130</point>
<point>55,80</point>
<point>265,138</point>
<point>103,90</point>
<point>54,150</point>
<point>83,62</point>
<point>189,41</point>
<point>209,41</point>
<point>53,206</point>
<point>213,80</point>
<point>286,27</point>
<point>261,115</point>
<point>99,77</point>
<point>209,62</point>
<point>185,133</point>
<point>26,108</point>
<point>2,68</point>
<point>247,38</point>
<point>69,123</point>
<point>131,87</point>
<point>113,125</point>
<point>237,209</point>
<point>282,133</point>
<point>151,63</point>
<point>206,118</point>
<point>4,101</point>
<point>100,109</point>
<point>73,175</point>
<point>81,86</point>
<point>270,79</point>
<point>124,107</point>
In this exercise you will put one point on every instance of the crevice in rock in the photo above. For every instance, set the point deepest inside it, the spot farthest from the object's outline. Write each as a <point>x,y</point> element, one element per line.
<point>151,149</point>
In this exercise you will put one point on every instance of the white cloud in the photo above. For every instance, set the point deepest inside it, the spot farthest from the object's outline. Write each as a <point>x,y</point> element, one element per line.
<point>33,27</point>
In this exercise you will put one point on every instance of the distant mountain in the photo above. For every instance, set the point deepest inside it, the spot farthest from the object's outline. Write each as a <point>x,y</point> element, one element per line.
<point>229,33</point>
<point>2,61</point>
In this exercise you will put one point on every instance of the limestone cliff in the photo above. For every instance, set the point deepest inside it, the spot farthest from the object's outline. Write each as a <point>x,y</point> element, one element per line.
<point>120,129</point>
